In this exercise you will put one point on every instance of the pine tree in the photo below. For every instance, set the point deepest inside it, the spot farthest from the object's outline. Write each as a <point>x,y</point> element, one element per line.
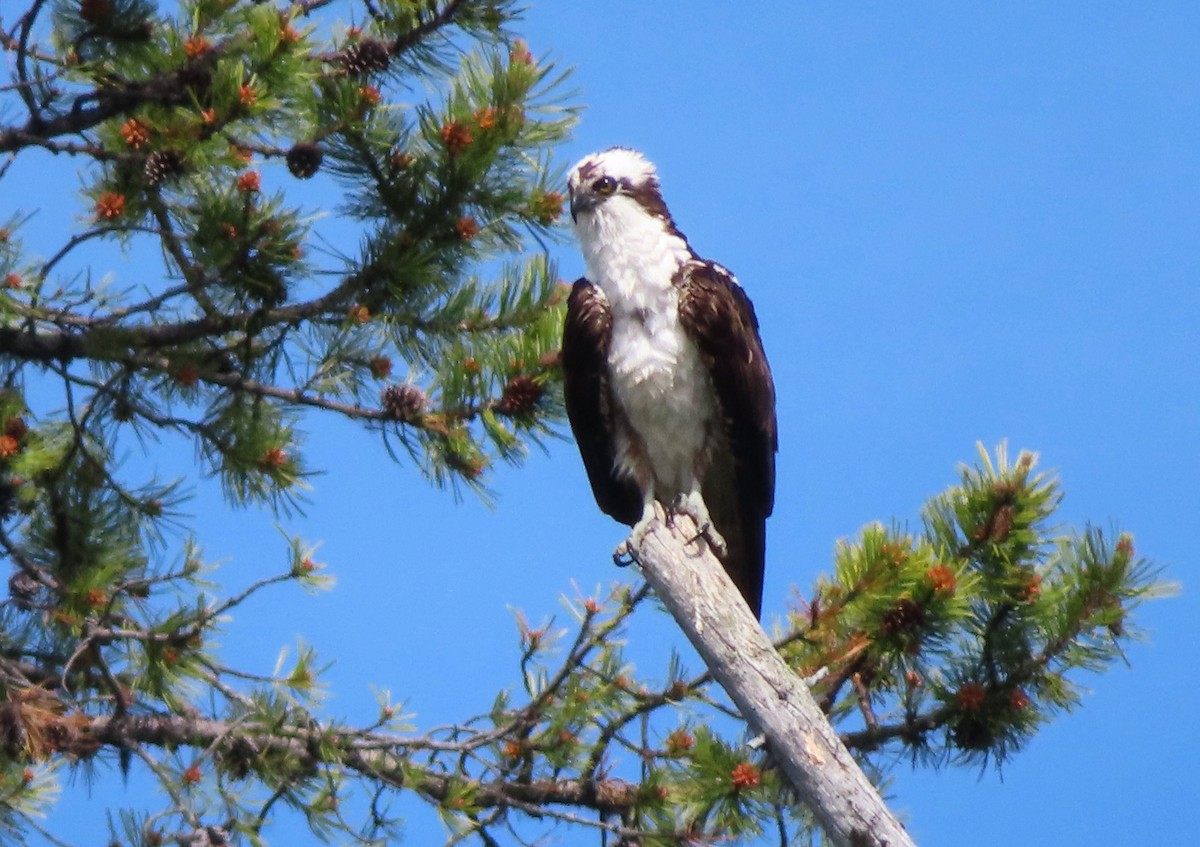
<point>196,131</point>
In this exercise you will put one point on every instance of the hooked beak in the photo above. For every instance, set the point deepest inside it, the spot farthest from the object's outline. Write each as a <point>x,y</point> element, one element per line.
<point>582,201</point>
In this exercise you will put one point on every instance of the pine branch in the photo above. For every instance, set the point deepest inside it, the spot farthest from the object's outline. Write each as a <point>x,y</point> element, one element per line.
<point>378,757</point>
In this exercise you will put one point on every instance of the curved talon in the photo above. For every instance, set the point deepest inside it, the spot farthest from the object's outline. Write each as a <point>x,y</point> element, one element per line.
<point>623,556</point>
<point>693,506</point>
<point>716,542</point>
<point>626,552</point>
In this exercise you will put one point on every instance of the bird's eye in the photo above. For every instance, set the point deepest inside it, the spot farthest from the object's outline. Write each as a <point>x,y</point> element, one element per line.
<point>605,185</point>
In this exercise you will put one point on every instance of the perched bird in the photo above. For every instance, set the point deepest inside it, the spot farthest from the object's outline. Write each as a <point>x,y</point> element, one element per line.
<point>667,388</point>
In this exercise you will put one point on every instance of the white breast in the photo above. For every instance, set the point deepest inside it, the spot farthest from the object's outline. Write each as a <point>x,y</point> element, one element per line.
<point>657,374</point>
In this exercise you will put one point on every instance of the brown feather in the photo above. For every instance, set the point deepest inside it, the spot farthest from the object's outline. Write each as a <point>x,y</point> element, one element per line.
<point>588,395</point>
<point>739,487</point>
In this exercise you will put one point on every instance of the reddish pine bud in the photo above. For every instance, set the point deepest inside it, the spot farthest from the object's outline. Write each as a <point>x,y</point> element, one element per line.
<point>381,367</point>
<point>247,96</point>
<point>9,447</point>
<point>941,579</point>
<point>96,598</point>
<point>359,314</point>
<point>456,136</point>
<point>369,96</point>
<point>12,280</point>
<point>591,606</point>
<point>485,118</point>
<point>196,46</point>
<point>1032,589</point>
<point>895,554</point>
<point>192,775</point>
<point>272,459</point>
<point>249,182</point>
<point>745,775</point>
<point>110,206</point>
<point>135,133</point>
<point>1018,699</point>
<point>546,207</point>
<point>187,376</point>
<point>519,54</point>
<point>466,227</point>
<point>679,742</point>
<point>971,696</point>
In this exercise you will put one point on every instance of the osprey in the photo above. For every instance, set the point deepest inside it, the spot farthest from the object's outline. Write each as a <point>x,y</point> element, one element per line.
<point>667,389</point>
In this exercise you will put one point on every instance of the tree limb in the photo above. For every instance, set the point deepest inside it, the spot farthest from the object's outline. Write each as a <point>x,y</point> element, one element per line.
<point>363,755</point>
<point>693,586</point>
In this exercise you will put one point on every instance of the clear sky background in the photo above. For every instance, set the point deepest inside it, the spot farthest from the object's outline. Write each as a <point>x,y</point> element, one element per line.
<point>958,222</point>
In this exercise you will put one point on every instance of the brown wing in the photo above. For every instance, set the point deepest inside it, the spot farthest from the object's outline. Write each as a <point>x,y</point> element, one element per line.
<point>586,389</point>
<point>739,489</point>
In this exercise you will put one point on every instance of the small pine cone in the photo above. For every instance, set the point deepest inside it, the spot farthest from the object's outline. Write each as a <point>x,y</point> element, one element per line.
<point>163,165</point>
<point>238,755</point>
<point>13,738</point>
<point>196,76</point>
<point>366,56</point>
<point>972,732</point>
<point>95,11</point>
<point>16,427</point>
<point>1002,524</point>
<point>520,396</point>
<point>304,159</point>
<point>23,589</point>
<point>8,496</point>
<point>906,616</point>
<point>403,402</point>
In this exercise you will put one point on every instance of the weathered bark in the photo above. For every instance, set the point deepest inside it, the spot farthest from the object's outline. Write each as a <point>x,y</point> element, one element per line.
<point>693,586</point>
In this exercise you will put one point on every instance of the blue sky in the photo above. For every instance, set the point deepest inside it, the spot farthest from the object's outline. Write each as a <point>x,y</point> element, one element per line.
<point>958,222</point>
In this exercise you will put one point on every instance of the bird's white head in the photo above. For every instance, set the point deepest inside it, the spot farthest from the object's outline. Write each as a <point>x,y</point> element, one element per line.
<point>614,185</point>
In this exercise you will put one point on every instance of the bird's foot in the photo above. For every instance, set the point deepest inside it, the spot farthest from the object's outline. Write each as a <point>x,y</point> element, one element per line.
<point>623,555</point>
<point>693,506</point>
<point>626,552</point>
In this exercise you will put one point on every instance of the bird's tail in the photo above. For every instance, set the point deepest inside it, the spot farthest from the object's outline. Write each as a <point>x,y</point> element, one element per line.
<point>745,543</point>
